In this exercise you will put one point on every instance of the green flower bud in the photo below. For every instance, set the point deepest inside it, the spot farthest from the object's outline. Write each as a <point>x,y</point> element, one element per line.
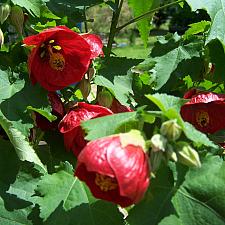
<point>17,18</point>
<point>1,38</point>
<point>156,159</point>
<point>171,130</point>
<point>85,88</point>
<point>187,155</point>
<point>170,153</point>
<point>105,99</point>
<point>158,143</point>
<point>4,12</point>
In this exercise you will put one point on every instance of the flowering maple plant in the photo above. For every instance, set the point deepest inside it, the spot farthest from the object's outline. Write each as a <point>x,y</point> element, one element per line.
<point>70,127</point>
<point>115,168</point>
<point>84,129</point>
<point>205,111</point>
<point>60,57</point>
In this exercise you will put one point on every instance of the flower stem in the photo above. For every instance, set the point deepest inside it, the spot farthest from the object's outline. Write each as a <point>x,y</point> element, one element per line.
<point>147,14</point>
<point>113,29</point>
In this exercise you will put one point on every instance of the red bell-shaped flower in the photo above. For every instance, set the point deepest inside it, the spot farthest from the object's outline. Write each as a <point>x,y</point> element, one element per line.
<point>206,111</point>
<point>115,168</point>
<point>60,56</point>
<point>117,107</point>
<point>70,124</point>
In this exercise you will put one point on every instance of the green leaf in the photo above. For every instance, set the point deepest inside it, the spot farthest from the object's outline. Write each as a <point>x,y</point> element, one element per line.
<point>63,190</point>
<point>114,75</point>
<point>196,197</point>
<point>216,11</point>
<point>171,220</point>
<point>168,53</point>
<point>12,210</point>
<point>157,202</point>
<point>201,197</point>
<point>196,28</point>
<point>140,7</point>
<point>170,106</point>
<point>108,125</point>
<point>32,6</point>
<point>26,182</point>
<point>22,147</point>
<point>16,97</point>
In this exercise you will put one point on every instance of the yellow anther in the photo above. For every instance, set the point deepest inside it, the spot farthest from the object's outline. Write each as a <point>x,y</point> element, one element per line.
<point>105,183</point>
<point>202,118</point>
<point>57,61</point>
<point>57,47</point>
<point>51,41</point>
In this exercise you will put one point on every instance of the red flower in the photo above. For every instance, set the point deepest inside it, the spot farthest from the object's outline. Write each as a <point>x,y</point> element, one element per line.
<point>116,107</point>
<point>57,110</point>
<point>60,56</point>
<point>206,111</point>
<point>70,124</point>
<point>115,168</point>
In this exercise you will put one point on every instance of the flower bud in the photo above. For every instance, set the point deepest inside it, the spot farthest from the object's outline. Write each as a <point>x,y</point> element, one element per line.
<point>4,12</point>
<point>187,155</point>
<point>85,88</point>
<point>158,143</point>
<point>170,153</point>
<point>1,38</point>
<point>17,18</point>
<point>105,99</point>
<point>156,159</point>
<point>171,130</point>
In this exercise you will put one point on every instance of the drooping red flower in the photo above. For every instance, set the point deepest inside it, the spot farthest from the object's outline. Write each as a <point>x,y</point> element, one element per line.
<point>117,107</point>
<point>60,56</point>
<point>95,43</point>
<point>70,124</point>
<point>115,168</point>
<point>57,110</point>
<point>206,111</point>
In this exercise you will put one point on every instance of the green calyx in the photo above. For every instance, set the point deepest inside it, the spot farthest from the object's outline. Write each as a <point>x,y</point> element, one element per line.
<point>133,137</point>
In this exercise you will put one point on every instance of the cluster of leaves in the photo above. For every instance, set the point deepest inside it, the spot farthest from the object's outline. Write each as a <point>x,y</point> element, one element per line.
<point>36,173</point>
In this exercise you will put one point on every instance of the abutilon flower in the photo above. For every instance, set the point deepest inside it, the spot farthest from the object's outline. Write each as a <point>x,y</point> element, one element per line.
<point>206,111</point>
<point>70,124</point>
<point>117,107</point>
<point>57,110</point>
<point>60,57</point>
<point>115,168</point>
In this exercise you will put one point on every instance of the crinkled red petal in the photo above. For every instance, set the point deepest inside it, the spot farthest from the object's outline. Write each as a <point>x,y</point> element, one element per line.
<point>82,112</point>
<point>56,103</point>
<point>130,166</point>
<point>95,43</point>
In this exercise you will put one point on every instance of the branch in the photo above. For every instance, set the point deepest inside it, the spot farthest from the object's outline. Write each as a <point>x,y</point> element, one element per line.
<point>147,14</point>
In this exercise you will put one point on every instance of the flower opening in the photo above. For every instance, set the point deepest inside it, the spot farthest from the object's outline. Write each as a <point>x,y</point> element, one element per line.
<point>105,183</point>
<point>202,118</point>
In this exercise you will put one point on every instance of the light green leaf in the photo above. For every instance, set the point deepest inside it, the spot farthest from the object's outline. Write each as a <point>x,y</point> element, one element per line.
<point>32,6</point>
<point>216,11</point>
<point>140,7</point>
<point>196,28</point>
<point>168,53</point>
<point>108,125</point>
<point>62,191</point>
